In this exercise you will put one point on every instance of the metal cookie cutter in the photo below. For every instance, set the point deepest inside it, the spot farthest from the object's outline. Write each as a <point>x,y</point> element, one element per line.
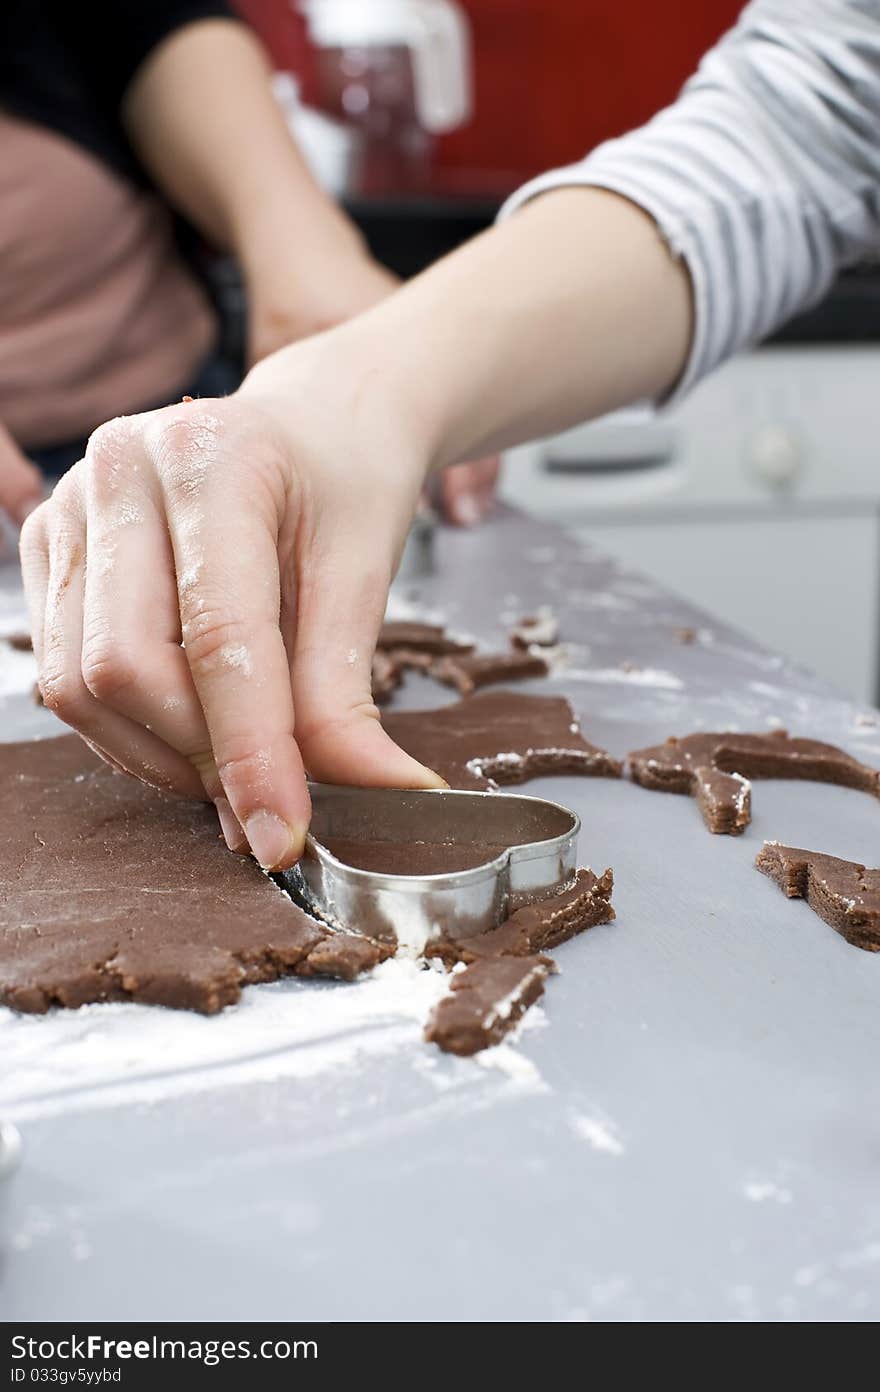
<point>531,849</point>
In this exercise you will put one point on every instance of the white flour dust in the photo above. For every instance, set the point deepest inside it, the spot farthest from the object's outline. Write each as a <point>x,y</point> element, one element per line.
<point>599,1134</point>
<point>115,1054</point>
<point>626,676</point>
<point>766,1190</point>
<point>237,657</point>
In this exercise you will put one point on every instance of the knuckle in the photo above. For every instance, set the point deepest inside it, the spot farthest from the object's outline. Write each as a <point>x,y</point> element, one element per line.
<point>111,456</point>
<point>64,694</point>
<point>186,443</point>
<point>214,641</point>
<point>243,767</point>
<point>108,672</point>
<point>323,725</point>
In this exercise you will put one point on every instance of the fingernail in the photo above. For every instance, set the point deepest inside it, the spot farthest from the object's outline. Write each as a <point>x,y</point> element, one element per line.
<point>435,780</point>
<point>233,833</point>
<point>467,510</point>
<point>273,842</point>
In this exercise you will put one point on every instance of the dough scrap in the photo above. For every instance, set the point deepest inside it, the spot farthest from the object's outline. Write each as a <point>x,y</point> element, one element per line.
<point>499,737</point>
<point>846,895</point>
<point>20,642</point>
<point>110,890</point>
<point>716,768</point>
<point>473,670</point>
<point>486,1000</point>
<point>390,665</point>
<point>420,637</point>
<point>409,647</point>
<point>506,967</point>
<point>538,927</point>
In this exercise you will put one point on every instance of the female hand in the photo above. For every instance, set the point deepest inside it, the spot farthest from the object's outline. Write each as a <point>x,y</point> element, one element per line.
<point>207,584</point>
<point>21,485</point>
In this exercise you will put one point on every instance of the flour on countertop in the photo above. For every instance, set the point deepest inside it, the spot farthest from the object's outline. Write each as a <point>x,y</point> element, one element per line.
<point>762,1190</point>
<point>115,1054</point>
<point>599,1134</point>
<point>625,676</point>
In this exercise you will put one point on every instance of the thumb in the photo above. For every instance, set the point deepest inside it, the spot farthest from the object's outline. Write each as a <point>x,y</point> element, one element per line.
<point>340,606</point>
<point>21,484</point>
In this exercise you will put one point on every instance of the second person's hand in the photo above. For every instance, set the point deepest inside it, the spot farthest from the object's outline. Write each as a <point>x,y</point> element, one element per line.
<point>207,585</point>
<point>21,485</point>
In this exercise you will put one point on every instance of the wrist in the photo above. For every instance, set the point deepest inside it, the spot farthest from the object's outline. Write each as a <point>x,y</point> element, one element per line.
<point>294,226</point>
<point>346,386</point>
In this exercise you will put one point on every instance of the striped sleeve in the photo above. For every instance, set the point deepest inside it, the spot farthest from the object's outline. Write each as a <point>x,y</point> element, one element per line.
<point>764,175</point>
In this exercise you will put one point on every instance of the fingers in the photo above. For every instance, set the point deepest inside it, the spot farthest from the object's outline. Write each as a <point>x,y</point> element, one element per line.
<point>132,660</point>
<point>468,491</point>
<point>21,484</point>
<point>224,496</point>
<point>341,598</point>
<point>54,557</point>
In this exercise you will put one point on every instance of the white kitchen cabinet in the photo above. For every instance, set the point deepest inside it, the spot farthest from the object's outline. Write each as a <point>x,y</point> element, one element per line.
<point>807,588</point>
<point>758,497</point>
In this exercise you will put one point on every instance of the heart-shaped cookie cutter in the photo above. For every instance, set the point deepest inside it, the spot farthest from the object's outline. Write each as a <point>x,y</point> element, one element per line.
<point>540,840</point>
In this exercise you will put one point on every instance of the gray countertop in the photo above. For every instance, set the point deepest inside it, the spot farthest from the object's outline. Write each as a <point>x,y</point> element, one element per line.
<point>689,1130</point>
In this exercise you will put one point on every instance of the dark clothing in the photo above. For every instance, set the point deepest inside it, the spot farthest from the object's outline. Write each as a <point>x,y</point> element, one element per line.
<point>67,65</point>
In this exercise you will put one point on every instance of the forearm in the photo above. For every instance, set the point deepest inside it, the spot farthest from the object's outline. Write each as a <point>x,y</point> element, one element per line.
<point>201,116</point>
<point>763,175</point>
<point>572,308</point>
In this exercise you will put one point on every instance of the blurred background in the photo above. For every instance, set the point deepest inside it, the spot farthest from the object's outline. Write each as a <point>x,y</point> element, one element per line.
<point>757,497</point>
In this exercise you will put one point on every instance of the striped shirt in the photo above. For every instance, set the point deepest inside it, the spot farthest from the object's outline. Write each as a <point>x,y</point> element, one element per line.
<point>764,175</point>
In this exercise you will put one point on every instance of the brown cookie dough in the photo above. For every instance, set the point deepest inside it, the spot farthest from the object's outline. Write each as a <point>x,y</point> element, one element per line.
<point>409,647</point>
<point>499,737</point>
<point>844,894</point>
<point>486,1000</point>
<point>20,642</point>
<point>390,665</point>
<point>420,637</point>
<point>540,926</point>
<point>344,957</point>
<point>715,769</point>
<point>386,675</point>
<point>536,630</point>
<point>412,857</point>
<point>472,670</point>
<point>110,890</point>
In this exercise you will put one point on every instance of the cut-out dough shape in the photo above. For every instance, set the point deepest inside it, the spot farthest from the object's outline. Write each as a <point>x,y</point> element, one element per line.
<point>410,647</point>
<point>716,768</point>
<point>843,893</point>
<point>499,737</point>
<point>421,637</point>
<point>472,670</point>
